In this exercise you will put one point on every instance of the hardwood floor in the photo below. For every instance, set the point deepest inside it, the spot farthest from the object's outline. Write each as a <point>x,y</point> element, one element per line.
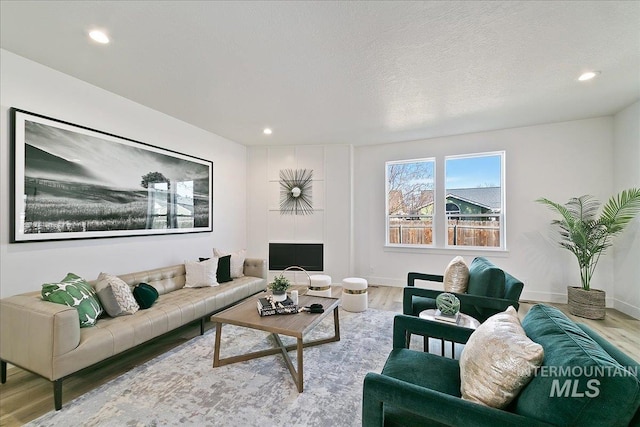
<point>25,396</point>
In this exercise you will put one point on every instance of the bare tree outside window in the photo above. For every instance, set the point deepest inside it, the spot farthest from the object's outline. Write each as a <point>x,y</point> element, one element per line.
<point>410,202</point>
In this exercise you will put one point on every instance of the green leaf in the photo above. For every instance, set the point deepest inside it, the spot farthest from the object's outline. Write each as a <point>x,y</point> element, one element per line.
<point>585,234</point>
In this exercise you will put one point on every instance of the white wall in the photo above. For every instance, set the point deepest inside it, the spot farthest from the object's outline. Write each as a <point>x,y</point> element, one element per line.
<point>556,161</point>
<point>626,131</point>
<point>25,266</point>
<point>330,222</point>
<point>595,156</point>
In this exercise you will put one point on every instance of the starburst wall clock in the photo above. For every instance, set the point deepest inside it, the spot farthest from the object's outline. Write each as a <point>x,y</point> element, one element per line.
<point>295,191</point>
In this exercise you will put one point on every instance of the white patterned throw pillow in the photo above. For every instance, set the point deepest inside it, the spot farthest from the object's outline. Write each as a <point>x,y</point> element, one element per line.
<point>456,276</point>
<point>237,261</point>
<point>201,274</point>
<point>498,361</point>
<point>115,295</point>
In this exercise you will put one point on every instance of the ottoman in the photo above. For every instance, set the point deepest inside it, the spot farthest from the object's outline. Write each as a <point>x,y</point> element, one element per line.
<point>319,285</point>
<point>354,294</point>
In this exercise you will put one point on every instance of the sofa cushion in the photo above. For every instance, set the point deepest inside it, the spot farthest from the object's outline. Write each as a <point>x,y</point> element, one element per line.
<point>579,382</point>
<point>145,295</point>
<point>115,296</point>
<point>74,291</point>
<point>223,274</point>
<point>456,276</point>
<point>424,369</point>
<point>485,279</point>
<point>498,361</point>
<point>201,274</point>
<point>237,261</point>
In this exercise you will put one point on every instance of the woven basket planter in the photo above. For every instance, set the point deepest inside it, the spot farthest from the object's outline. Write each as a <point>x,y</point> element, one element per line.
<point>588,304</point>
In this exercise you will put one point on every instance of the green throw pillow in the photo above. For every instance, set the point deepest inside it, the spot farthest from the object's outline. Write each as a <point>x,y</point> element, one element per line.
<point>74,291</point>
<point>145,295</point>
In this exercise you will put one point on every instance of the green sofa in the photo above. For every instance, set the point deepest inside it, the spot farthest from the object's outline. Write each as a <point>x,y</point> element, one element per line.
<point>584,380</point>
<point>490,291</point>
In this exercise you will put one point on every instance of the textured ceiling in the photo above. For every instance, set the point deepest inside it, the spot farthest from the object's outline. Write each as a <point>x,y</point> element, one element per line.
<point>343,72</point>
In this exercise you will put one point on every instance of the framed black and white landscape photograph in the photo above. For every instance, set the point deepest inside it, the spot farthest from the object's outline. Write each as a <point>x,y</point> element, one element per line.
<point>73,182</point>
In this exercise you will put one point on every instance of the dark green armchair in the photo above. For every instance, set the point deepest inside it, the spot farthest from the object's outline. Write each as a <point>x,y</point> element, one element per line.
<point>416,388</point>
<point>490,291</point>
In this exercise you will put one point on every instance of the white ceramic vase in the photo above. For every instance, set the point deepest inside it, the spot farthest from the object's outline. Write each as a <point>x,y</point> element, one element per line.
<point>279,296</point>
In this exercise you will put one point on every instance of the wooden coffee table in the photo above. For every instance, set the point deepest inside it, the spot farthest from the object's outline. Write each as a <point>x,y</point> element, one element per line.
<point>294,325</point>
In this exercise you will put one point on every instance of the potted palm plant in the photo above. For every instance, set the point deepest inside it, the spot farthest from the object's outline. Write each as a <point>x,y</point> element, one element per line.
<point>279,287</point>
<point>587,236</point>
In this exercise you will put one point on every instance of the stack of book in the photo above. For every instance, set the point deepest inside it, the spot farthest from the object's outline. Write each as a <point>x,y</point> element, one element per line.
<point>449,318</point>
<point>268,307</point>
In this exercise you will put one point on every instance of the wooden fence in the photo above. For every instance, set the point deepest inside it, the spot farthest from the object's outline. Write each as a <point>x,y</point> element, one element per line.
<point>459,233</point>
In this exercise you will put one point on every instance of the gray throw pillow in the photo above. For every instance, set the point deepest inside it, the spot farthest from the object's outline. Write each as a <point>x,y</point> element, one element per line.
<point>115,295</point>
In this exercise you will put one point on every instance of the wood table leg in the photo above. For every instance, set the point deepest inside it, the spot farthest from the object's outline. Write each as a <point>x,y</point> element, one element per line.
<point>297,374</point>
<point>300,369</point>
<point>336,324</point>
<point>216,348</point>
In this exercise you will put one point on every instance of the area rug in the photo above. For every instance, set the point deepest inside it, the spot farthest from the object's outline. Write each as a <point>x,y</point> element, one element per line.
<point>180,387</point>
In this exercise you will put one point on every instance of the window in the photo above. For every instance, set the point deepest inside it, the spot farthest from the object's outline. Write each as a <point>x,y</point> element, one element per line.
<point>474,200</point>
<point>410,202</point>
<point>170,204</point>
<point>470,202</point>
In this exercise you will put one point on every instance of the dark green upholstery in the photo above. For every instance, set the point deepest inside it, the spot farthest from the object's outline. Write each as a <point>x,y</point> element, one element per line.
<point>490,291</point>
<point>392,399</point>
<point>423,389</point>
<point>421,369</point>
<point>485,279</point>
<point>622,358</point>
<point>567,345</point>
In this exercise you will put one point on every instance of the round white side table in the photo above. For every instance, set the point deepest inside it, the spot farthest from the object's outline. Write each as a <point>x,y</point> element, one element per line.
<point>354,294</point>
<point>319,285</point>
<point>464,321</point>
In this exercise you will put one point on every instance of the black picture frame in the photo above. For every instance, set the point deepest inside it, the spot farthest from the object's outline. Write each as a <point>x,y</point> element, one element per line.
<point>72,182</point>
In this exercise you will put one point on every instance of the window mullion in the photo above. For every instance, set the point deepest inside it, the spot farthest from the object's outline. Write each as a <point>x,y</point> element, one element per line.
<point>439,216</point>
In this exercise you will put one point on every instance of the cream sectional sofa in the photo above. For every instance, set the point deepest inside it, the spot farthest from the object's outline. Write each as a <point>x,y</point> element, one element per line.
<point>46,339</point>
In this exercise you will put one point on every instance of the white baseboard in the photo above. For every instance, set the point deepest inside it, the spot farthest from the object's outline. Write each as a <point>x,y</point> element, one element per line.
<point>543,296</point>
<point>386,281</point>
<point>626,308</point>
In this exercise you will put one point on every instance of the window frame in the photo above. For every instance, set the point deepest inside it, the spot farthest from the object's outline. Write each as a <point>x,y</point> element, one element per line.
<point>439,217</point>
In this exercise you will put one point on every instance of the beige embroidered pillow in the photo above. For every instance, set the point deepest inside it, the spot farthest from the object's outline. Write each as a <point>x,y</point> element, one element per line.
<point>498,361</point>
<point>456,276</point>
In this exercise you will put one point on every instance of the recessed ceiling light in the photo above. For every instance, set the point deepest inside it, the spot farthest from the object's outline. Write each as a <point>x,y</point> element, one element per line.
<point>99,36</point>
<point>588,75</point>
<point>267,131</point>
